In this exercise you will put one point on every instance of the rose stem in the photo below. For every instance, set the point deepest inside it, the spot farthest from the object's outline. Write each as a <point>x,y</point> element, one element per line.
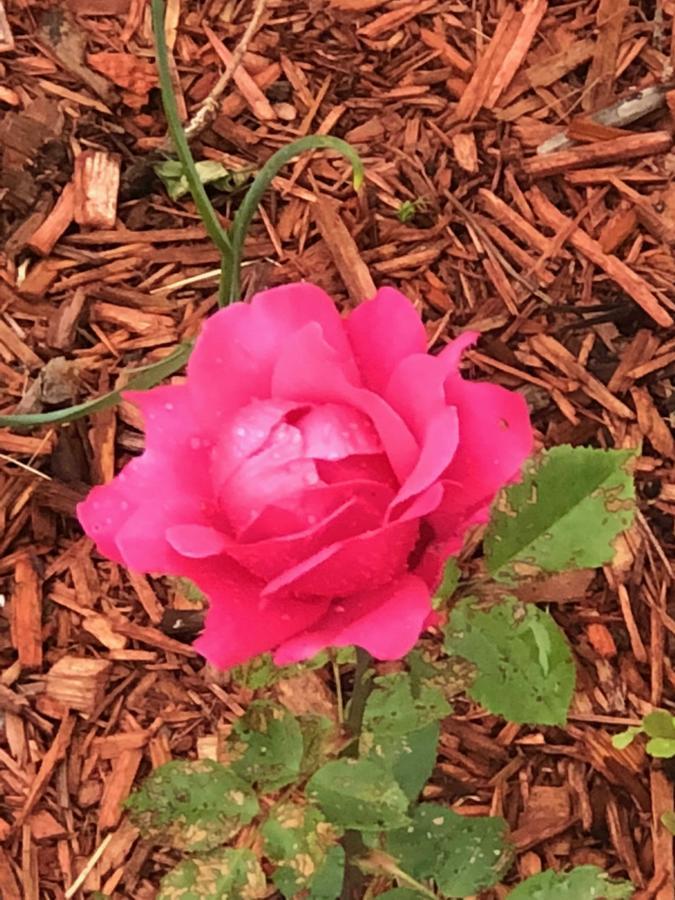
<point>352,841</point>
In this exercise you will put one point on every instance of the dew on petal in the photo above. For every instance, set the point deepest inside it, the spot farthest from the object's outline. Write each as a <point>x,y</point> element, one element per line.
<point>168,406</point>
<point>195,443</point>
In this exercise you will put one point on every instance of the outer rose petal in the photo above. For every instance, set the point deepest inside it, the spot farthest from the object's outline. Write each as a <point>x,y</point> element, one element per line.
<point>239,625</point>
<point>382,332</point>
<point>173,466</point>
<point>438,448</point>
<point>235,353</point>
<point>322,378</point>
<point>495,439</point>
<point>385,621</point>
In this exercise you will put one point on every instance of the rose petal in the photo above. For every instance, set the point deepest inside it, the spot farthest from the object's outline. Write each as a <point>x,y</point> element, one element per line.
<point>270,558</point>
<point>382,332</point>
<point>277,471</point>
<point>385,621</point>
<point>495,439</point>
<point>373,558</point>
<point>237,348</point>
<point>142,539</point>
<point>239,624</point>
<point>297,512</point>
<point>196,541</point>
<point>321,378</point>
<point>332,431</point>
<point>439,447</point>
<point>245,433</point>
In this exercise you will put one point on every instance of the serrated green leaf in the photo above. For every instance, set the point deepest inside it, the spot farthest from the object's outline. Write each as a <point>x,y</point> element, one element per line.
<point>359,794</point>
<point>303,846</point>
<point>192,805</point>
<point>625,738</point>
<point>659,724</point>
<point>587,882</point>
<point>448,586</point>
<point>524,667</point>
<point>392,710</point>
<point>222,875</point>
<point>320,738</point>
<point>463,855</point>
<point>565,514</point>
<point>266,747</point>
<point>451,676</point>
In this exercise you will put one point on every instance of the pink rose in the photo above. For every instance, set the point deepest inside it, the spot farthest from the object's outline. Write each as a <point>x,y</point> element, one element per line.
<point>311,475</point>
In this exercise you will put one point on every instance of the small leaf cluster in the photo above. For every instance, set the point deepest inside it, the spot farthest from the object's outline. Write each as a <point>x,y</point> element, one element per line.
<point>659,727</point>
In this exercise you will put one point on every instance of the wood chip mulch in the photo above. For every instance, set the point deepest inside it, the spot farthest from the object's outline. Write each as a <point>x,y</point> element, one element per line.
<point>529,146</point>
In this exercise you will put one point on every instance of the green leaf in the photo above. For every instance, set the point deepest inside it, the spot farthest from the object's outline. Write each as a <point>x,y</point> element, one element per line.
<point>208,171</point>
<point>261,671</point>
<point>411,758</point>
<point>221,875</point>
<point>661,748</point>
<point>266,747</point>
<point>464,855</point>
<point>303,846</point>
<point>587,882</point>
<point>321,739</point>
<point>400,894</point>
<point>625,738</point>
<point>524,667</point>
<point>668,821</point>
<point>400,728</point>
<point>392,710</point>
<point>565,514</point>
<point>139,380</point>
<point>452,676</point>
<point>659,724</point>
<point>448,586</point>
<point>192,805</point>
<point>359,794</point>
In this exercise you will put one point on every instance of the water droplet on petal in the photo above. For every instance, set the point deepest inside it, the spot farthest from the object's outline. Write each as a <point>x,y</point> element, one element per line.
<point>124,505</point>
<point>168,406</point>
<point>240,432</point>
<point>339,608</point>
<point>195,443</point>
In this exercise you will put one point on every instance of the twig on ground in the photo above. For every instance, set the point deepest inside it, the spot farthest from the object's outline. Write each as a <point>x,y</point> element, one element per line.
<point>209,107</point>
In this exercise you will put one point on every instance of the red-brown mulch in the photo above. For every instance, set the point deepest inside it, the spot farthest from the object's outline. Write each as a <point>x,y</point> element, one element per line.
<point>562,260</point>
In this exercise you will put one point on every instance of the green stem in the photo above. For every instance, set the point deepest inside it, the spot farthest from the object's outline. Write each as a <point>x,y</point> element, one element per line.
<point>352,885</point>
<point>206,211</point>
<point>229,284</point>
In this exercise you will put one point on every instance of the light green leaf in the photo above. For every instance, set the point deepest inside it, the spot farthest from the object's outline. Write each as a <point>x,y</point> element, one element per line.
<point>266,747</point>
<point>192,805</point>
<point>659,724</point>
<point>464,855</point>
<point>139,380</point>
<point>392,710</point>
<point>524,667</point>
<point>221,875</point>
<point>625,738</point>
<point>452,676</point>
<point>208,171</point>
<point>668,821</point>
<point>261,671</point>
<point>587,882</point>
<point>661,748</point>
<point>303,846</point>
<point>565,514</point>
<point>359,794</point>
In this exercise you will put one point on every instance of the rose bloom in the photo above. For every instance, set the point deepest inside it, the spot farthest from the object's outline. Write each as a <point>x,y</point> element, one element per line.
<point>311,475</point>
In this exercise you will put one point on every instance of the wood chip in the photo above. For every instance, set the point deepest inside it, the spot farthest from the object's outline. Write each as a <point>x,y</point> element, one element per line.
<point>635,286</point>
<point>344,251</point>
<point>27,614</point>
<point>633,146</point>
<point>78,683</point>
<point>96,181</point>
